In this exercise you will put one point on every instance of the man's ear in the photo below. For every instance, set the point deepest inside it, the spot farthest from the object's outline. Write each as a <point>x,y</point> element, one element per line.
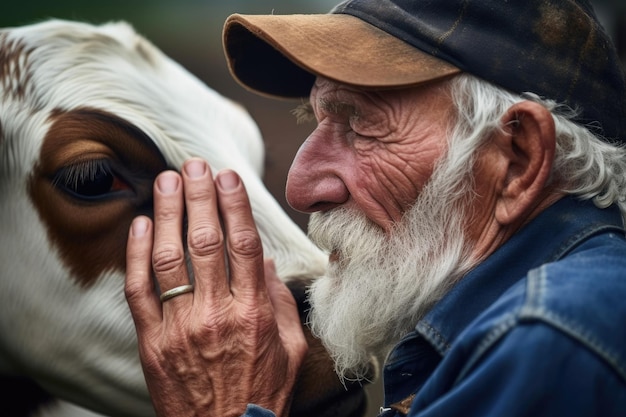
<point>527,144</point>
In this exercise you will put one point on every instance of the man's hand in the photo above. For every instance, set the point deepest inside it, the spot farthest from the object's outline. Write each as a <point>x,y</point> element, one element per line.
<point>236,338</point>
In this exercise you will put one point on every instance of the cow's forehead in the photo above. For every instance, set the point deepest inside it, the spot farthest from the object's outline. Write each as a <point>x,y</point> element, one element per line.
<point>59,66</point>
<point>39,59</point>
<point>65,46</point>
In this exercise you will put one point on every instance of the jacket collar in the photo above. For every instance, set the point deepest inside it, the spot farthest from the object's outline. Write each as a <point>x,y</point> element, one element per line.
<point>549,237</point>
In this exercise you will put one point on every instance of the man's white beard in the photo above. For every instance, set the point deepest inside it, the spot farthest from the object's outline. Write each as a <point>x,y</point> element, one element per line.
<point>379,285</point>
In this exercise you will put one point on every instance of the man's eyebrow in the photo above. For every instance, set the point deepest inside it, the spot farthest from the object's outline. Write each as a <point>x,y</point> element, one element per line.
<point>304,112</point>
<point>338,107</point>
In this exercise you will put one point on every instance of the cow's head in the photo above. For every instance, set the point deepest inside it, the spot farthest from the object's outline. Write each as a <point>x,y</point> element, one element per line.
<point>88,117</point>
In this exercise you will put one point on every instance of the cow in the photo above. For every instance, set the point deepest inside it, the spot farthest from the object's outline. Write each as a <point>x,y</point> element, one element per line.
<point>89,115</point>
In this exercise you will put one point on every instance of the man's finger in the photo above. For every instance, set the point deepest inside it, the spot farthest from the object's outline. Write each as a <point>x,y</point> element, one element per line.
<point>139,287</point>
<point>168,255</point>
<point>205,238</point>
<point>245,251</point>
<point>285,312</point>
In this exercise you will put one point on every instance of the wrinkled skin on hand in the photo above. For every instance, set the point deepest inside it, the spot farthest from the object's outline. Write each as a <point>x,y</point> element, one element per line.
<point>236,339</point>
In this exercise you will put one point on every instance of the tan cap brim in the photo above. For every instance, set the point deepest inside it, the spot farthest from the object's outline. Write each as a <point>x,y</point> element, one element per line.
<point>280,55</point>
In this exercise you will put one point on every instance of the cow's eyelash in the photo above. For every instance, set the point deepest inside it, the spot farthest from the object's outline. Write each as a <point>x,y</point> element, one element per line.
<point>82,172</point>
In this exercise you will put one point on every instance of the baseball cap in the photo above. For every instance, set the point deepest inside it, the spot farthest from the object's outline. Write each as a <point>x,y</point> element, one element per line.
<point>554,48</point>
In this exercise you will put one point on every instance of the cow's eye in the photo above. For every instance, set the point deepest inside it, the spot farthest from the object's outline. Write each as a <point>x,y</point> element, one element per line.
<point>89,180</point>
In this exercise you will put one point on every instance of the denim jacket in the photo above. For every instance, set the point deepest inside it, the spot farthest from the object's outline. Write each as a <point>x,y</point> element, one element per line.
<point>537,329</point>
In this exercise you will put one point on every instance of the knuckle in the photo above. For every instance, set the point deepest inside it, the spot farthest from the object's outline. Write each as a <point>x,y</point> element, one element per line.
<point>239,204</point>
<point>246,243</point>
<point>205,240</point>
<point>167,213</point>
<point>199,336</point>
<point>177,347</point>
<point>198,194</point>
<point>134,291</point>
<point>167,258</point>
<point>210,331</point>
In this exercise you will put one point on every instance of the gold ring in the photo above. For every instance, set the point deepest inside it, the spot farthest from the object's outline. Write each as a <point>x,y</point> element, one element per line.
<point>183,289</point>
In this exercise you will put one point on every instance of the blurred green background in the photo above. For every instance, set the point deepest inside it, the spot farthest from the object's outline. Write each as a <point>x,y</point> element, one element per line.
<point>189,31</point>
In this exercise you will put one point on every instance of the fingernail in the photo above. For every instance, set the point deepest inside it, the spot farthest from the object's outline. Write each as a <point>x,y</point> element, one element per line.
<point>167,183</point>
<point>195,168</point>
<point>139,227</point>
<point>228,180</point>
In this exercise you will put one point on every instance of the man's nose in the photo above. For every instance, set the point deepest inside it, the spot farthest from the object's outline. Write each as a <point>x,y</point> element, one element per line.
<point>316,178</point>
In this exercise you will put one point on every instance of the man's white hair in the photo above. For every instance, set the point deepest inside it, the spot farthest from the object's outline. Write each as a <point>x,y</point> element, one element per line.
<point>586,164</point>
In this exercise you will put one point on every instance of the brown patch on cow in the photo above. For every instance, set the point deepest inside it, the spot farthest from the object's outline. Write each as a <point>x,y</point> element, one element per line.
<point>14,68</point>
<point>90,233</point>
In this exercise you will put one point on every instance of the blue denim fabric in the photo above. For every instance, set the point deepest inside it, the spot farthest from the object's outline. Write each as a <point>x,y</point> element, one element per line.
<point>256,411</point>
<point>537,329</point>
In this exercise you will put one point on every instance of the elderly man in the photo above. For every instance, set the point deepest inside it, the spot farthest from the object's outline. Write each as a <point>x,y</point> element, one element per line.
<point>468,180</point>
